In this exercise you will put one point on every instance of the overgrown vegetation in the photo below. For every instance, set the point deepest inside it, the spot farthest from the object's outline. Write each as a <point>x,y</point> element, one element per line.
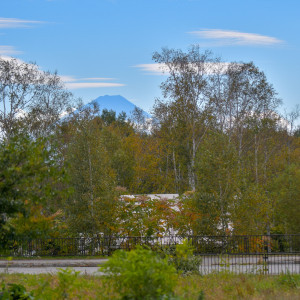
<point>214,286</point>
<point>140,274</point>
<point>216,138</point>
<point>182,257</point>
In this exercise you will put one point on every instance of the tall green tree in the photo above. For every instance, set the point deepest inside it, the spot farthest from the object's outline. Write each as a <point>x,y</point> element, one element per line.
<point>91,208</point>
<point>183,115</point>
<point>31,182</point>
<point>217,185</point>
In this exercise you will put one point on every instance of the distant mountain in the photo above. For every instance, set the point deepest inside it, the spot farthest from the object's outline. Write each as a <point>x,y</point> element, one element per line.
<point>116,103</point>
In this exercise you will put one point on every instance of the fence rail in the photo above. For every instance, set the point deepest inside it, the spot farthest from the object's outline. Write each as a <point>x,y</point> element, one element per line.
<point>245,253</point>
<point>93,246</point>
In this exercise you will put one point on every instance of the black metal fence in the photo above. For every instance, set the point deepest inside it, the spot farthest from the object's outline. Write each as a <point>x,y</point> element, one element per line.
<point>268,263</point>
<point>271,254</point>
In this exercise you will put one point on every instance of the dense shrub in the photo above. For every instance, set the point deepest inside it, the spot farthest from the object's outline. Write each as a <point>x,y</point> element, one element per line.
<point>140,274</point>
<point>15,292</point>
<point>183,258</point>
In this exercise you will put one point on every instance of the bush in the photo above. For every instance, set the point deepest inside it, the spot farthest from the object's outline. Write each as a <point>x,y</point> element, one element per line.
<point>140,274</point>
<point>15,292</point>
<point>184,259</point>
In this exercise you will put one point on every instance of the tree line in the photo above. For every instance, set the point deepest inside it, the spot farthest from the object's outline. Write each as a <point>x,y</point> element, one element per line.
<point>216,138</point>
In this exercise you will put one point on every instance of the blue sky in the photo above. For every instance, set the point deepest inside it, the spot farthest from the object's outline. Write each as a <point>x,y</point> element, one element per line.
<point>102,47</point>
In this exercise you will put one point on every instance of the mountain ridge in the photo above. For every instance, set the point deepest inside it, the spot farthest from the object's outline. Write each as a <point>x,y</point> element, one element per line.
<point>116,103</point>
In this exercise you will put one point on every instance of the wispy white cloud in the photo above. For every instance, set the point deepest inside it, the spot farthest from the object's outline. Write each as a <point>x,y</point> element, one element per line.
<point>97,78</point>
<point>8,50</point>
<point>153,69</point>
<point>82,83</point>
<point>230,37</point>
<point>16,23</point>
<point>162,69</point>
<point>67,78</point>
<point>13,23</point>
<point>72,82</point>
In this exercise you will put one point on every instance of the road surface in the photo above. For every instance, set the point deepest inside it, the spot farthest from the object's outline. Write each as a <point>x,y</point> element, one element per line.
<point>257,264</point>
<point>40,266</point>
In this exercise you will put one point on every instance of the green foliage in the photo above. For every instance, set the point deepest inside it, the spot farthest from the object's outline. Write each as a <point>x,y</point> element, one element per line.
<point>289,280</point>
<point>216,169</point>
<point>68,283</point>
<point>143,216</point>
<point>92,179</point>
<point>15,292</point>
<point>184,259</point>
<point>185,249</point>
<point>31,181</point>
<point>215,133</point>
<point>201,295</point>
<point>286,192</point>
<point>140,274</point>
<point>212,286</point>
<point>209,214</point>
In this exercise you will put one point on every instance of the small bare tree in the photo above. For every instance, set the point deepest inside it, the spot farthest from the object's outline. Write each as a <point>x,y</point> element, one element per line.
<point>30,99</point>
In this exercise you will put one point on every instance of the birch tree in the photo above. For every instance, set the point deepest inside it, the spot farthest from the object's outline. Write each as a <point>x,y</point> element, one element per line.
<point>185,105</point>
<point>30,99</point>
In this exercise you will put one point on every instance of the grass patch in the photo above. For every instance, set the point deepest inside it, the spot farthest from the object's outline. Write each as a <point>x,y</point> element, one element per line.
<point>71,285</point>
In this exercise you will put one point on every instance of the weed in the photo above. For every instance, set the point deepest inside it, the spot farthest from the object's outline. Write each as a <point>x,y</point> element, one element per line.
<point>288,280</point>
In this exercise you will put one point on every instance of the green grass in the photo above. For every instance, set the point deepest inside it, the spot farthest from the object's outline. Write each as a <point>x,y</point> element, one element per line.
<point>69,285</point>
<point>229,286</point>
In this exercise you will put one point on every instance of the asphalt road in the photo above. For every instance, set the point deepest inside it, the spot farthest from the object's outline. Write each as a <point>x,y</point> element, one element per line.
<point>40,266</point>
<point>238,264</point>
